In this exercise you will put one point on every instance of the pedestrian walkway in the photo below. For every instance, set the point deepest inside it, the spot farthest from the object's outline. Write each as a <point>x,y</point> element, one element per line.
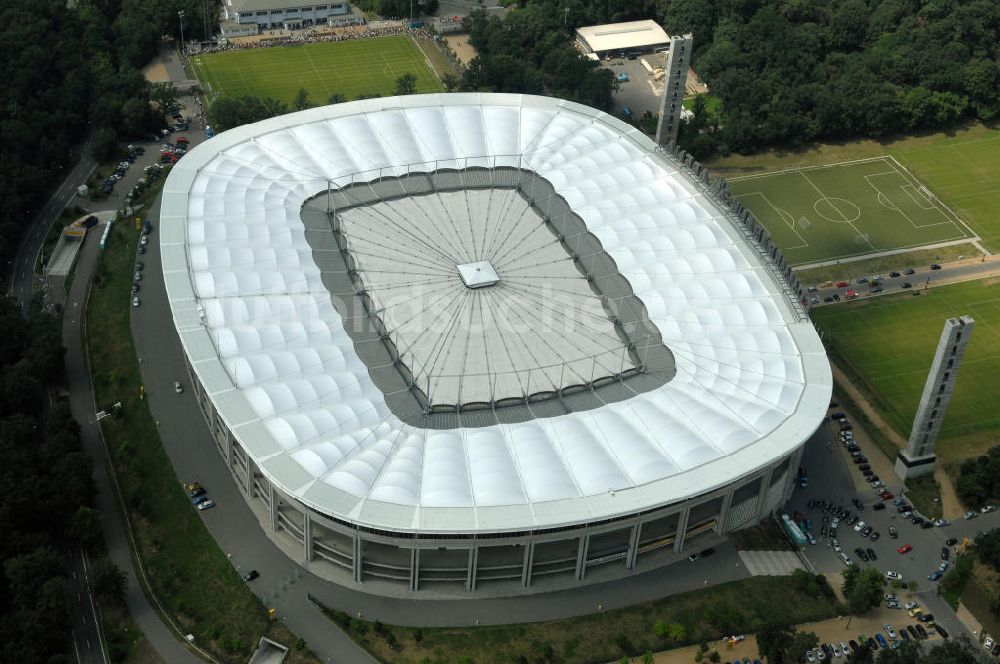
<point>771,563</point>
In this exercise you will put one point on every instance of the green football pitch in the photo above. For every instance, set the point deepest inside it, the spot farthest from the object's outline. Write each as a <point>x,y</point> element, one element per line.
<point>889,343</point>
<point>849,209</point>
<point>352,68</point>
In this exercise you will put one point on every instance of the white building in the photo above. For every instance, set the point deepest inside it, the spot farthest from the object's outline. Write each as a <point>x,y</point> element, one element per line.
<point>554,354</point>
<point>622,38</point>
<point>281,13</point>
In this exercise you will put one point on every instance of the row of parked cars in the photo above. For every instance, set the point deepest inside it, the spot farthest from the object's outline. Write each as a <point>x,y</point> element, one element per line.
<point>133,153</point>
<point>170,153</point>
<point>199,496</point>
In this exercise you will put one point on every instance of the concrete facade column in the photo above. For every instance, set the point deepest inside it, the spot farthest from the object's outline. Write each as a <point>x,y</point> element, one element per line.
<point>765,484</point>
<point>529,561</point>
<point>229,448</point>
<point>356,560</point>
<point>727,502</point>
<point>414,570</point>
<point>470,574</point>
<point>272,507</point>
<point>633,546</point>
<point>581,556</point>
<point>307,537</point>
<point>792,473</point>
<point>249,476</point>
<point>682,526</point>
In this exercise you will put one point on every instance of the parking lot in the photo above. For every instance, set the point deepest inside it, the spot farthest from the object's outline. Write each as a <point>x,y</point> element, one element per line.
<point>640,93</point>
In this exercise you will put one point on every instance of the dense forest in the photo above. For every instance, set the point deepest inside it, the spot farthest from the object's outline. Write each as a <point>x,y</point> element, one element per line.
<point>788,72</point>
<point>46,490</point>
<point>72,74</point>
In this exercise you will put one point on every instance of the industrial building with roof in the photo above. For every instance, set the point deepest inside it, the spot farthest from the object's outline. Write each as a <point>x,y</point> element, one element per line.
<point>622,38</point>
<point>485,343</point>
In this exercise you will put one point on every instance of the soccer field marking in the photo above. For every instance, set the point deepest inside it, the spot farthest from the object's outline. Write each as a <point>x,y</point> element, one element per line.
<point>857,232</point>
<point>322,81</point>
<point>783,216</point>
<point>918,197</point>
<point>885,202</point>
<point>895,172</point>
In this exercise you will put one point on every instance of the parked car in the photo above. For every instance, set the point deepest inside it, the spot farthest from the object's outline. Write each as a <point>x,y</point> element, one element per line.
<point>893,576</point>
<point>906,284</point>
<point>206,504</point>
<point>906,548</point>
<point>935,266</point>
<point>251,575</point>
<point>935,575</point>
<point>135,301</point>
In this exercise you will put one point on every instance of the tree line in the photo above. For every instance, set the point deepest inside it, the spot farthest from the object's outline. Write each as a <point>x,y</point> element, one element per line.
<point>73,72</point>
<point>46,491</point>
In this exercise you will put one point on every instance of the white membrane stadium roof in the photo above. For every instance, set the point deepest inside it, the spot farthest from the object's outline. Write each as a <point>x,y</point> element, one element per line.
<point>264,338</point>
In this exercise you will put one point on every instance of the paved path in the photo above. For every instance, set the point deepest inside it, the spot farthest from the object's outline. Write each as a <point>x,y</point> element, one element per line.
<point>82,405</point>
<point>891,252</point>
<point>771,563</point>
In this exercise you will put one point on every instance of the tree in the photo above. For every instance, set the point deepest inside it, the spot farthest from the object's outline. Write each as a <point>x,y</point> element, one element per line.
<point>336,98</point>
<point>676,632</point>
<point>301,101</point>
<point>861,655</point>
<point>85,527</point>
<point>863,589</point>
<point>405,84</point>
<point>774,642</point>
<point>988,549</point>
<point>108,580</point>
<point>660,628</point>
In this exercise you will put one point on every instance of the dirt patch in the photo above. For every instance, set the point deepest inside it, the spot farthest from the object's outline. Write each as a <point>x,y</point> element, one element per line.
<point>464,51</point>
<point>156,72</point>
<point>834,630</point>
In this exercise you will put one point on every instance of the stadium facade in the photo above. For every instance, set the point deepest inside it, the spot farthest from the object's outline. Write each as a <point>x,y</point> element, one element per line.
<point>485,343</point>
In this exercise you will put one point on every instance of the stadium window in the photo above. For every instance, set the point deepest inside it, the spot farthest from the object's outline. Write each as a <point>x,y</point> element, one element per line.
<point>320,8</point>
<point>293,11</point>
<point>941,391</point>
<point>958,337</point>
<point>950,363</point>
<point>263,13</point>
<point>937,402</point>
<point>933,414</point>
<point>947,375</point>
<point>930,425</point>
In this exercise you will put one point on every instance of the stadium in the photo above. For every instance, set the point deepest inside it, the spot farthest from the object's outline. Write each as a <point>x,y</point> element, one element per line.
<point>485,343</point>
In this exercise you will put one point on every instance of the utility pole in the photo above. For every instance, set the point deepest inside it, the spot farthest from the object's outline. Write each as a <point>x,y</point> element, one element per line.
<point>180,18</point>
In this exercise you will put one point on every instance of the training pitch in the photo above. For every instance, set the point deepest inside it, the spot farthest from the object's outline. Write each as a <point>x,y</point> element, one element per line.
<point>889,342</point>
<point>352,68</point>
<point>826,213</point>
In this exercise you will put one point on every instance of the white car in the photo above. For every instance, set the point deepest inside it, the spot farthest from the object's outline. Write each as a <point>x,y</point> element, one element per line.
<point>912,605</point>
<point>836,650</point>
<point>893,576</point>
<point>810,656</point>
<point>845,649</point>
<point>178,388</point>
<point>135,301</point>
<point>836,546</point>
<point>890,631</point>
<point>859,526</point>
<point>988,643</point>
<point>819,654</point>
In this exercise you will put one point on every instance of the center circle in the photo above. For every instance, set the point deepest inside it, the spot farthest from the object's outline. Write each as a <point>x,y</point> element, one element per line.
<point>837,210</point>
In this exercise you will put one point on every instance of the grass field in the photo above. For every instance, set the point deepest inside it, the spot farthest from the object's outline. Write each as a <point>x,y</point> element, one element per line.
<point>961,166</point>
<point>887,344</point>
<point>352,68</point>
<point>848,209</point>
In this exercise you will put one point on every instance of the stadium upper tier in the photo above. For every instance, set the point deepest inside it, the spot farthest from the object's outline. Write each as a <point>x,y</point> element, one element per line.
<point>263,334</point>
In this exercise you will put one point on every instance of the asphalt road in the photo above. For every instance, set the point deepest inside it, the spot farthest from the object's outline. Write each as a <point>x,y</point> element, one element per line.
<point>923,277</point>
<point>87,644</point>
<point>21,273</point>
<point>82,406</point>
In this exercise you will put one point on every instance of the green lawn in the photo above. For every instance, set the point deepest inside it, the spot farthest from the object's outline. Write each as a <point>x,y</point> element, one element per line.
<point>849,209</point>
<point>888,343</point>
<point>351,68</point>
<point>961,166</point>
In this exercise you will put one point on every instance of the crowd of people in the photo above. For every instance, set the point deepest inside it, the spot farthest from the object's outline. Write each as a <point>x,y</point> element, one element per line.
<point>313,36</point>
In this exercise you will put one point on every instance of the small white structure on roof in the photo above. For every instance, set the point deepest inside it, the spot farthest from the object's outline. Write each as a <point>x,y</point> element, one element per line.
<point>641,36</point>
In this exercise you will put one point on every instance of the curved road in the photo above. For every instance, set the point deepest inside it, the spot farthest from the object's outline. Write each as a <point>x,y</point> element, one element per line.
<point>82,404</point>
<point>21,271</point>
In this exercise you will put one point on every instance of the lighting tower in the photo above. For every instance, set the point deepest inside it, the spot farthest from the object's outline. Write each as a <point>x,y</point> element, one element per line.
<point>918,457</point>
<point>672,102</point>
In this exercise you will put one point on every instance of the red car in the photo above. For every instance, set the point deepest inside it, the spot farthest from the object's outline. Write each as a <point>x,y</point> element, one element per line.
<point>885,495</point>
<point>851,294</point>
<point>905,548</point>
<point>841,284</point>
